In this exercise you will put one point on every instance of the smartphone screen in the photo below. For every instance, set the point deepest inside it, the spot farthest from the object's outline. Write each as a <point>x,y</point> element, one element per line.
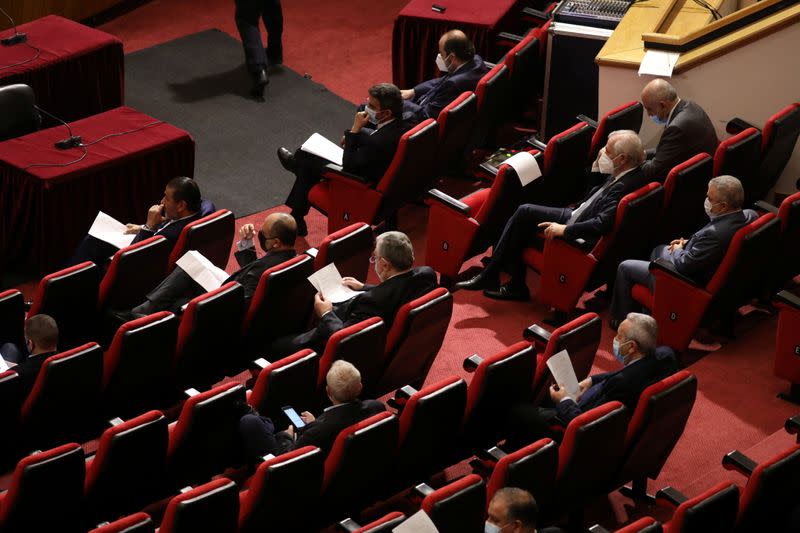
<point>293,417</point>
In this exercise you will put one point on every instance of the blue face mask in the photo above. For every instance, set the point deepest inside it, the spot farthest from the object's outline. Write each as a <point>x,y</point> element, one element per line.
<point>658,120</point>
<point>615,346</point>
<point>490,528</point>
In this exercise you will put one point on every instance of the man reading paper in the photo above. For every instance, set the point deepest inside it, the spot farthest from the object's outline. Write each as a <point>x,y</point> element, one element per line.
<point>643,364</point>
<point>276,237</point>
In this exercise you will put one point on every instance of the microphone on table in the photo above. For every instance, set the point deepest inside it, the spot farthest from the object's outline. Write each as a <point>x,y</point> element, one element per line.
<point>17,37</point>
<point>71,142</point>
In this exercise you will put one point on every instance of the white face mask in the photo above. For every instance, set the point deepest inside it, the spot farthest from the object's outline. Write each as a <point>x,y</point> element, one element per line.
<point>375,267</point>
<point>707,205</point>
<point>440,63</point>
<point>372,114</point>
<point>605,164</point>
<point>491,528</point>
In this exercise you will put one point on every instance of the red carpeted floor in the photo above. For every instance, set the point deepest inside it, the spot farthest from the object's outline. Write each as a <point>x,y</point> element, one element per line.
<point>346,46</point>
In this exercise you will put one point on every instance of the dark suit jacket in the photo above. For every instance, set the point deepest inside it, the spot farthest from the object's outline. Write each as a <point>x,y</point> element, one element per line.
<point>704,251</point>
<point>169,230</point>
<point>598,218</point>
<point>369,152</point>
<point>688,133</point>
<point>323,431</point>
<point>624,385</point>
<point>28,371</point>
<point>431,96</point>
<point>179,288</point>
<point>382,300</point>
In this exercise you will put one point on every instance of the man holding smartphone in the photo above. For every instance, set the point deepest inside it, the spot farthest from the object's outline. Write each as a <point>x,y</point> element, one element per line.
<point>343,385</point>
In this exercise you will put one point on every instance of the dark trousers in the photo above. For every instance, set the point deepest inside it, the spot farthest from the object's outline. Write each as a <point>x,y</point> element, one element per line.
<point>629,273</point>
<point>94,250</point>
<point>247,15</point>
<point>258,437</point>
<point>528,423</point>
<point>519,233</point>
<point>175,291</point>
<point>307,174</point>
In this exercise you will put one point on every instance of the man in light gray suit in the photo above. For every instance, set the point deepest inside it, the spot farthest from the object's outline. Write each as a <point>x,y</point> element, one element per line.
<point>697,257</point>
<point>687,129</point>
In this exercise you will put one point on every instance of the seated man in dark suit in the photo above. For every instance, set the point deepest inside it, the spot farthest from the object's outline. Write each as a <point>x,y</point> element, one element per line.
<point>41,341</point>
<point>179,206</point>
<point>393,258</point>
<point>343,385</point>
<point>368,150</point>
<point>276,237</point>
<point>643,364</point>
<point>697,257</point>
<point>621,159</point>
<point>462,69</point>
<point>687,130</point>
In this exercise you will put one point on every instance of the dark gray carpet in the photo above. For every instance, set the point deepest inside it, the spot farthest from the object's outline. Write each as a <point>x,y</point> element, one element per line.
<point>199,83</point>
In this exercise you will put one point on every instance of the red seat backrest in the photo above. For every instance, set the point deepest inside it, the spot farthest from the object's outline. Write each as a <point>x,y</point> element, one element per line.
<point>288,381</point>
<point>211,235</point>
<point>349,249</point>
<point>133,271</point>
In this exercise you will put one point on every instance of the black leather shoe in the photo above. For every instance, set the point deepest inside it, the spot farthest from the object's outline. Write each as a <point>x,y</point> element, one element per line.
<point>286,157</point>
<point>506,292</point>
<point>260,80</point>
<point>478,282</point>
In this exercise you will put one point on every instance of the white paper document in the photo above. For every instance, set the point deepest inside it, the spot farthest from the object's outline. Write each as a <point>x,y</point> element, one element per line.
<point>328,282</point>
<point>526,167</point>
<point>418,522</point>
<point>203,271</point>
<point>110,230</point>
<point>658,63</point>
<point>322,147</point>
<point>560,366</point>
<point>3,365</point>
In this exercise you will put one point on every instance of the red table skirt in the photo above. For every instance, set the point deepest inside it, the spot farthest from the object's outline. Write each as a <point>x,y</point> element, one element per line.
<point>417,30</point>
<point>79,71</point>
<point>47,210</point>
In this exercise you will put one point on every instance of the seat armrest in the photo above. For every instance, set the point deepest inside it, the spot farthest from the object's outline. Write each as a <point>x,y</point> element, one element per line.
<point>597,528</point>
<point>191,392</point>
<point>185,489</point>
<point>312,252</point>
<point>790,299</point>
<point>265,458</point>
<point>590,121</point>
<point>347,526</point>
<point>493,454</point>
<point>506,37</point>
<point>671,495</point>
<point>536,143</point>
<point>471,363</point>
<point>448,201</point>
<point>339,171</point>
<point>401,396</point>
<point>738,461</point>
<point>766,206</point>
<point>792,425</point>
<point>737,125</point>
<point>535,15</point>
<point>421,490</point>
<point>490,65</point>
<point>665,266</point>
<point>115,422</point>
<point>257,366</point>
<point>536,333</point>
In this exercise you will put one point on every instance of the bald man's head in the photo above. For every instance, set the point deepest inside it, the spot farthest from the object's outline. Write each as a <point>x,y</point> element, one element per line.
<point>658,98</point>
<point>278,232</point>
<point>456,49</point>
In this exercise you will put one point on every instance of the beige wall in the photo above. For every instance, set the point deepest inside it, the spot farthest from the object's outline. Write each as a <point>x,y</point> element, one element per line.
<point>752,82</point>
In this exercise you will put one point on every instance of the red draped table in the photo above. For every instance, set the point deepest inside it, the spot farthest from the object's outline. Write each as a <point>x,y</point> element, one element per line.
<point>417,29</point>
<point>46,210</point>
<point>75,71</point>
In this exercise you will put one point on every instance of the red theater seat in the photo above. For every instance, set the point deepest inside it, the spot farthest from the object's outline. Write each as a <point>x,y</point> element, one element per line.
<point>12,317</point>
<point>739,156</point>
<point>714,510</point>
<point>492,93</point>
<point>46,492</point>
<point>532,468</point>
<point>361,344</point>
<point>787,344</point>
<point>567,269</point>
<point>458,506</point>
<point>625,117</point>
<point>346,198</point>
<point>349,249</point>
<point>282,493</point>
<point>385,524</point>
<point>210,507</point>
<point>456,122</point>
<point>288,381</point>
<point>684,191</point>
<point>62,405</point>
<point>133,272</point>
<point>135,523</point>
<point>211,235</point>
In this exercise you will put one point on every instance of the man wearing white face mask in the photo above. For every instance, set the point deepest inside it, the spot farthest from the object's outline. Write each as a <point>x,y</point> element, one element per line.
<point>514,510</point>
<point>369,148</point>
<point>461,70</point>
<point>642,365</point>
<point>592,218</point>
<point>697,257</point>
<point>687,129</point>
<point>392,261</point>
